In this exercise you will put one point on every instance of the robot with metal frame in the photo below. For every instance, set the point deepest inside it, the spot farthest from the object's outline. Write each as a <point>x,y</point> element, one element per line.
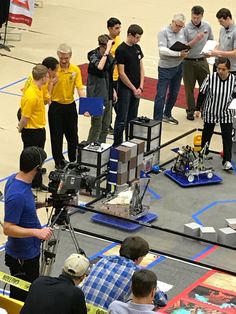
<point>192,164</point>
<point>128,203</point>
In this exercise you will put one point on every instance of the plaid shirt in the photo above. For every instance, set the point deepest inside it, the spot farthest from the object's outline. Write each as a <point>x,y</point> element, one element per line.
<point>109,280</point>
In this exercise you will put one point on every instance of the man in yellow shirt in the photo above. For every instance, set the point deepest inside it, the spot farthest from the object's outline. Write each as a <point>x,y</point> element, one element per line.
<point>52,65</point>
<point>33,120</point>
<point>62,114</point>
<point>114,27</point>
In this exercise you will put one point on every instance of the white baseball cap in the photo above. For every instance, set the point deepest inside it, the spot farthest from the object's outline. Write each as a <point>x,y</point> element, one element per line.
<point>76,265</point>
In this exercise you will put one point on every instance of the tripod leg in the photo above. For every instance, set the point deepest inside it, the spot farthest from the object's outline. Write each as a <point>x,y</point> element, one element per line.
<point>74,239</point>
<point>49,252</point>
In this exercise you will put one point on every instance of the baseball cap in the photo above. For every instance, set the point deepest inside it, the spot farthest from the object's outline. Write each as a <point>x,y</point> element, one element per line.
<point>76,265</point>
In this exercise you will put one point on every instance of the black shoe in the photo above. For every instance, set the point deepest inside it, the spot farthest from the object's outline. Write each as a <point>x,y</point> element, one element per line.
<point>110,130</point>
<point>44,170</point>
<point>60,165</point>
<point>43,188</point>
<point>170,120</point>
<point>190,116</point>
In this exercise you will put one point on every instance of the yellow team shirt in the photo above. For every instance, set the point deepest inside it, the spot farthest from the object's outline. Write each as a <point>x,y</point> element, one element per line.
<point>33,107</point>
<point>113,49</point>
<point>46,95</point>
<point>68,79</point>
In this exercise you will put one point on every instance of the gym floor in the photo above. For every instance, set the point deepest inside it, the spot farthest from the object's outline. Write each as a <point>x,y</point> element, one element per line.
<point>79,25</point>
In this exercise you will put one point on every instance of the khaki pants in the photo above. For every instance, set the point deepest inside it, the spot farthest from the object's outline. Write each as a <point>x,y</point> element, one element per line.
<point>99,125</point>
<point>194,71</point>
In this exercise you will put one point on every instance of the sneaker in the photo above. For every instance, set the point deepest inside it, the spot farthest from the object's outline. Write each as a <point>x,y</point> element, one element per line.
<point>43,188</point>
<point>227,166</point>
<point>110,130</point>
<point>170,120</point>
<point>190,116</point>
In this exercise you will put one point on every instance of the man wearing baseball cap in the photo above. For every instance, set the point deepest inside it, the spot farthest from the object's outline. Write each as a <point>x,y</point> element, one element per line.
<point>59,295</point>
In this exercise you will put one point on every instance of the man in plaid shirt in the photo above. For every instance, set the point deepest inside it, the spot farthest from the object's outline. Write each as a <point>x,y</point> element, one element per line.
<point>110,278</point>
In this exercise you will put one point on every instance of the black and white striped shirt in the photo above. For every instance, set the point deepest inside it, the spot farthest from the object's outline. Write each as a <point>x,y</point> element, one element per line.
<point>218,95</point>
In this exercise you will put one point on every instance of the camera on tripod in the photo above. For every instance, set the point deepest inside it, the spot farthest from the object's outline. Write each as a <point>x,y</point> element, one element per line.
<point>69,180</point>
<point>63,185</point>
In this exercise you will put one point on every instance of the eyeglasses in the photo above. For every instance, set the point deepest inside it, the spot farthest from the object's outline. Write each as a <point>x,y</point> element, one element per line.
<point>177,25</point>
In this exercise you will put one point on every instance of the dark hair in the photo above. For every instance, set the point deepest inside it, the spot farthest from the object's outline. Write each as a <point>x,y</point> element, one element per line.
<point>103,39</point>
<point>134,247</point>
<point>197,9</point>
<point>224,13</point>
<point>135,29</point>
<point>223,60</point>
<point>143,281</point>
<point>50,63</point>
<point>113,21</point>
<point>31,157</point>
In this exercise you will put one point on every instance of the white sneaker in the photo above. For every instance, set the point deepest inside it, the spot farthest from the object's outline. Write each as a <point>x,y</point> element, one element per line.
<point>227,166</point>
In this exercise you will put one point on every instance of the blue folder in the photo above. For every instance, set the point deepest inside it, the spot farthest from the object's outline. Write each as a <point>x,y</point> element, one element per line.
<point>93,105</point>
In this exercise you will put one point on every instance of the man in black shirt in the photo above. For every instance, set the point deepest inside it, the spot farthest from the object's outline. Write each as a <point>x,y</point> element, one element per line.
<point>131,78</point>
<point>49,295</point>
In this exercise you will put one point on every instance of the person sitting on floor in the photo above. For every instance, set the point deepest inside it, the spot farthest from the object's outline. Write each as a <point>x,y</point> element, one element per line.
<point>110,278</point>
<point>59,295</point>
<point>144,284</point>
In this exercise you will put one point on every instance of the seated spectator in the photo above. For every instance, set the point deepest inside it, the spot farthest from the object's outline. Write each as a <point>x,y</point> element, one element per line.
<point>110,278</point>
<point>59,295</point>
<point>144,284</point>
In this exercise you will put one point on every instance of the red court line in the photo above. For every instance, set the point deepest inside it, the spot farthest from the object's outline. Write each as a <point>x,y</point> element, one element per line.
<point>211,250</point>
<point>200,305</point>
<point>188,289</point>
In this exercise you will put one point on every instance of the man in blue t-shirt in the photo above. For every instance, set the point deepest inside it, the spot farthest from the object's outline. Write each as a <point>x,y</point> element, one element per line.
<point>21,223</point>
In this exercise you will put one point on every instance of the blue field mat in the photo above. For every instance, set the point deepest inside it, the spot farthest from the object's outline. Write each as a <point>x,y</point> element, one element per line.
<point>199,180</point>
<point>122,224</point>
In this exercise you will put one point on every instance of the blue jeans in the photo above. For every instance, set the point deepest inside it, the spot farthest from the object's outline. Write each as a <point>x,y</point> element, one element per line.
<point>167,78</point>
<point>127,110</point>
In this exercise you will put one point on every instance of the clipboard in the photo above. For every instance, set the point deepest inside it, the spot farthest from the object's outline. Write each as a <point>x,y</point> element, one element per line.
<point>93,105</point>
<point>178,46</point>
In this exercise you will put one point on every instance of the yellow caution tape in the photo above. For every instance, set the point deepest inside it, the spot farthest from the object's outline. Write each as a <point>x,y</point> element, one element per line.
<point>14,281</point>
<point>92,309</point>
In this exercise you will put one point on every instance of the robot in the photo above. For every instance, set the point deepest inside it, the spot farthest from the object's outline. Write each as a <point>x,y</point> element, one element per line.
<point>128,203</point>
<point>191,164</point>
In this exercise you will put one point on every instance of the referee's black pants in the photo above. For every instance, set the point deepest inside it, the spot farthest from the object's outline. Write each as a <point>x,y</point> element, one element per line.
<point>226,133</point>
<point>24,269</point>
<point>63,120</point>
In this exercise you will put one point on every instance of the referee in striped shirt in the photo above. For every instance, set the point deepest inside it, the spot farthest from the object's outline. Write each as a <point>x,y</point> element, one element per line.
<point>215,95</point>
